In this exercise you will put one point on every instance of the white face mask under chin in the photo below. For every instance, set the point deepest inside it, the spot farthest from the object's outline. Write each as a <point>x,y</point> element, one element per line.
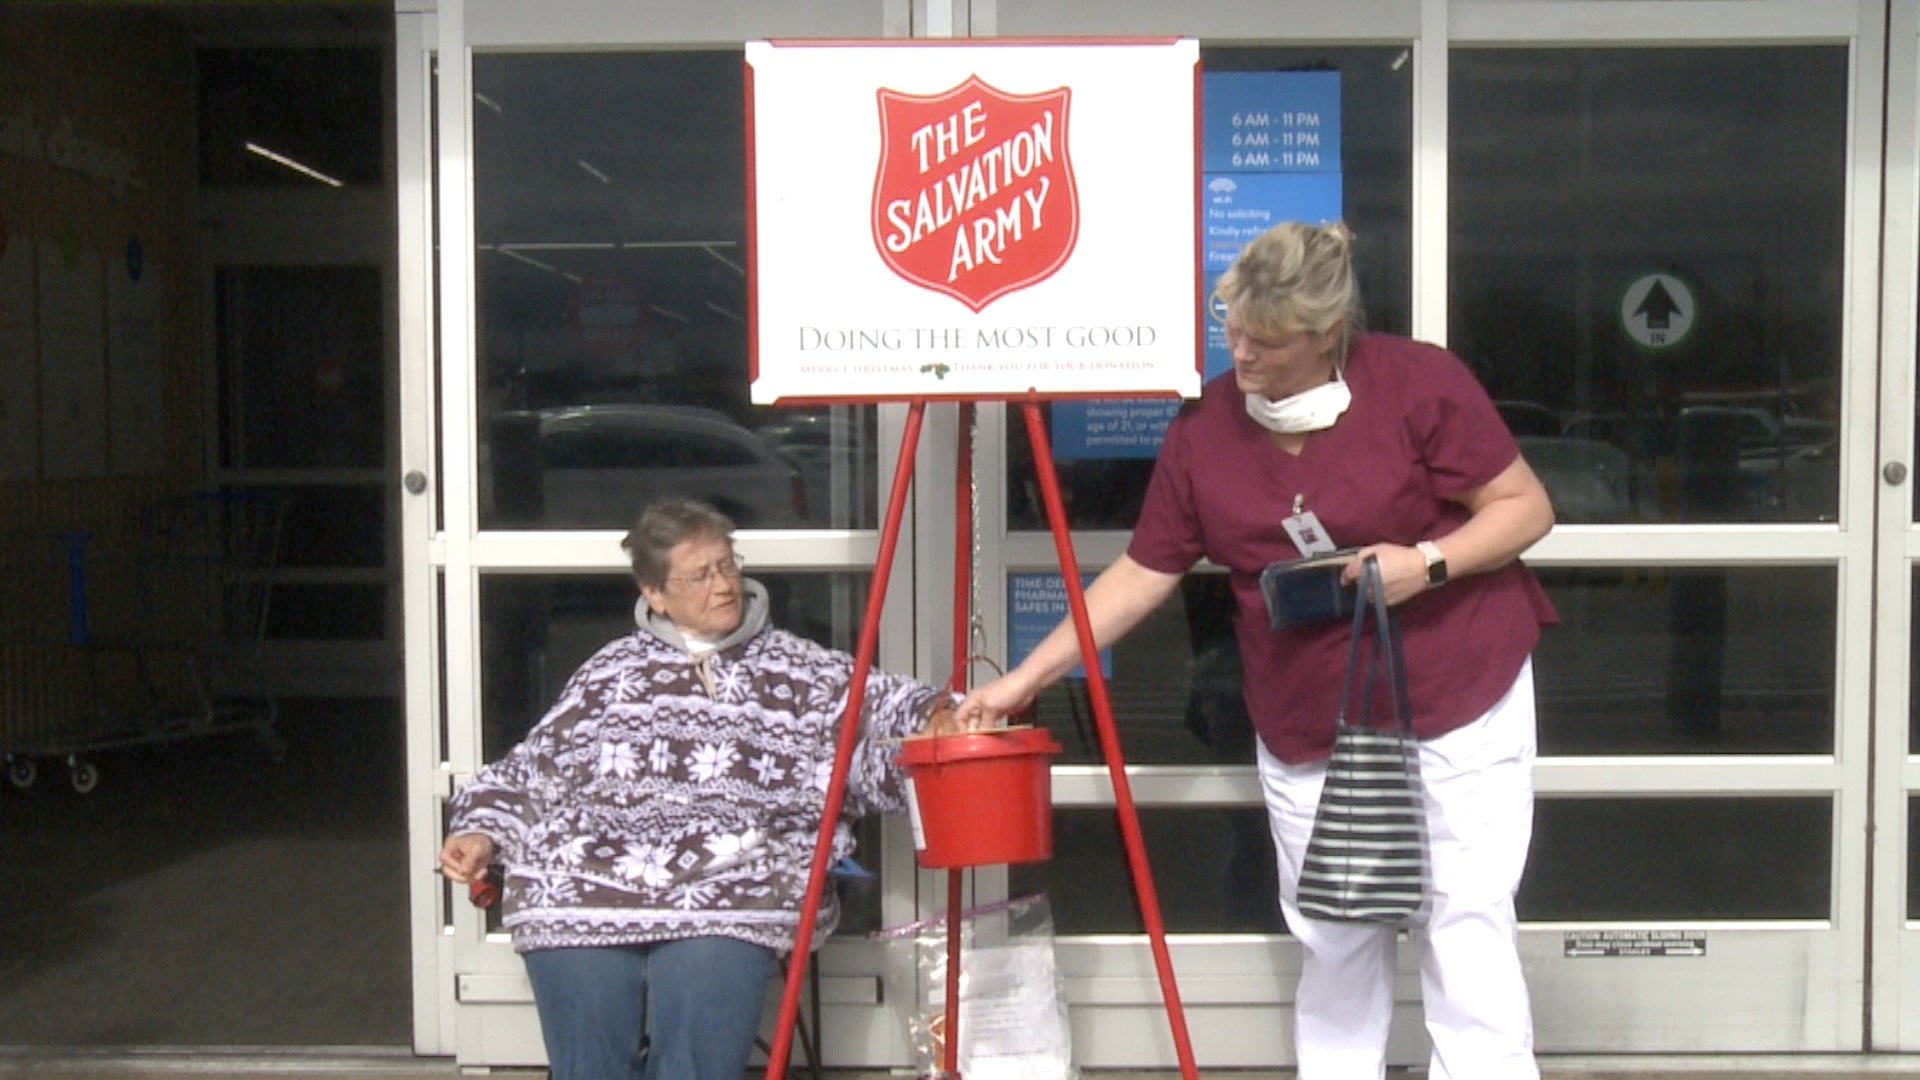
<point>1308,410</point>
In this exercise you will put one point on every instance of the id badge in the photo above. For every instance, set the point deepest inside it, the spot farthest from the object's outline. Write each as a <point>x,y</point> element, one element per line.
<point>1307,534</point>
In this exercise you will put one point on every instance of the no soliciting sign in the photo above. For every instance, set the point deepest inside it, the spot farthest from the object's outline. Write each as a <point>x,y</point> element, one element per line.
<point>972,220</point>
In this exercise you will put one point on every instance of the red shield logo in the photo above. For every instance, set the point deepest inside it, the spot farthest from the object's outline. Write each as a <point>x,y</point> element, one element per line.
<point>974,196</point>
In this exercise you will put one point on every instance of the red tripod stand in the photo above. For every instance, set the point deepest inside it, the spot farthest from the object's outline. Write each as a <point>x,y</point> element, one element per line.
<point>850,726</point>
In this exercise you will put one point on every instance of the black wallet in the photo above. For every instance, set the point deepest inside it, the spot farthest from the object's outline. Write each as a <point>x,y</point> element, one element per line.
<point>1308,590</point>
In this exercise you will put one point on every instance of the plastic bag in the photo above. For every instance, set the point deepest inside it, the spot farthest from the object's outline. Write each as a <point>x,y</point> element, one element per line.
<point>1013,1014</point>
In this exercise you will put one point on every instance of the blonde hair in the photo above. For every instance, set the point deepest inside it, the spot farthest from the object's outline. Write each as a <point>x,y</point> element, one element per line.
<point>1295,278</point>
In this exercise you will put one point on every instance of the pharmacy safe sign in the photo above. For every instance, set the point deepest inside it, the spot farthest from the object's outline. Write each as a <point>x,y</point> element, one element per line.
<point>1658,311</point>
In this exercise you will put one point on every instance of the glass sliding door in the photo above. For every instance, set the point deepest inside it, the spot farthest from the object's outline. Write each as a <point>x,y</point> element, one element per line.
<point>589,289</point>
<point>1649,266</point>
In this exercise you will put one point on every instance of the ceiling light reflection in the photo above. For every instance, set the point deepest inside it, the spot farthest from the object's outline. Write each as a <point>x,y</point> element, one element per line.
<point>736,267</point>
<point>282,159</point>
<point>536,263</point>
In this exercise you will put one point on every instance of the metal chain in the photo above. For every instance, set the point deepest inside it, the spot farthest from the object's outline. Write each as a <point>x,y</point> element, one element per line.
<point>976,624</point>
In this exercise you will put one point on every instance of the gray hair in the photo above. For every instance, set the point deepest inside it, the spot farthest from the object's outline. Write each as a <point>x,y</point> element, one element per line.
<point>665,526</point>
<point>1295,278</point>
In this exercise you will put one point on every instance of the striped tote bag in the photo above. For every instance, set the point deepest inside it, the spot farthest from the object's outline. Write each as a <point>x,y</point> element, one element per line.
<point>1367,855</point>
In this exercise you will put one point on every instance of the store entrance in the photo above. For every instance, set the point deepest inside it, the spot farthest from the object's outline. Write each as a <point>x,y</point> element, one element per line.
<point>1721,849</point>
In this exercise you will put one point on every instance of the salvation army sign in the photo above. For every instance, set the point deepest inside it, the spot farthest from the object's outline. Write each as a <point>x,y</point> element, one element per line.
<point>972,220</point>
<point>975,194</point>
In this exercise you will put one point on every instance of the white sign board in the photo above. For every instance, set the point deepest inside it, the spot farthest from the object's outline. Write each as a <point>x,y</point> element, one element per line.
<point>972,219</point>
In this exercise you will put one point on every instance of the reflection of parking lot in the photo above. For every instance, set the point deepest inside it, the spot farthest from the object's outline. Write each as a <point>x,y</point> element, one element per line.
<point>595,466</point>
<point>834,451</point>
<point>1785,470</point>
<point>1592,481</point>
<point>1700,660</point>
<point>1707,463</point>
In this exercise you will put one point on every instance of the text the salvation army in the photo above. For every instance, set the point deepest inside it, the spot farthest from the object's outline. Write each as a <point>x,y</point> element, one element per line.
<point>972,184</point>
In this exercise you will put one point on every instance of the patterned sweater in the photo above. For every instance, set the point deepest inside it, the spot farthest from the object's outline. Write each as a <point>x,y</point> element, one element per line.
<point>666,797</point>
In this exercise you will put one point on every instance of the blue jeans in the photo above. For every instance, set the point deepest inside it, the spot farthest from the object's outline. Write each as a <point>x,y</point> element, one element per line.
<point>678,1010</point>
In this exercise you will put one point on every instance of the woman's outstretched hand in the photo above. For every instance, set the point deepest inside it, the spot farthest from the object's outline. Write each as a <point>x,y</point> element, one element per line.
<point>992,705</point>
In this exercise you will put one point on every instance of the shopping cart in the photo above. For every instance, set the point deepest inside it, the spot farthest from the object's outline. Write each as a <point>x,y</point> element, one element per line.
<point>167,613</point>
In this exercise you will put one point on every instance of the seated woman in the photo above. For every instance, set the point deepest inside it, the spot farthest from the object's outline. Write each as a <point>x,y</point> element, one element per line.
<point>657,826</point>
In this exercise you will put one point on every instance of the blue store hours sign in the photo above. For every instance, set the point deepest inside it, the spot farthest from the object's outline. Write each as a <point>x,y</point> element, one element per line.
<point>1270,121</point>
<point>1270,151</point>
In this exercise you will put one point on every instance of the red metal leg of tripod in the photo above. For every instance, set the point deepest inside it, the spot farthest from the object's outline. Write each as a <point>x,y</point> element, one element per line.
<point>951,1033</point>
<point>962,664</point>
<point>843,754</point>
<point>1109,738</point>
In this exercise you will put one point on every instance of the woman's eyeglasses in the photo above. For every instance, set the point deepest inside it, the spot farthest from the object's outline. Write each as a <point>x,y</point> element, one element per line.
<point>732,566</point>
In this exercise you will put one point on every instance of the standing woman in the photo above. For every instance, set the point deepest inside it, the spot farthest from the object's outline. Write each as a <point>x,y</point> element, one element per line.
<point>1390,446</point>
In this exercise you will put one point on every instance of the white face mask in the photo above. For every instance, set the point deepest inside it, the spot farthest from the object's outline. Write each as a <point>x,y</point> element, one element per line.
<point>1308,410</point>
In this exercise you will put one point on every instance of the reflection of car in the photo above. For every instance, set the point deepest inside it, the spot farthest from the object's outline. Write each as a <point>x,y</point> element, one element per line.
<point>810,436</point>
<point>826,449</point>
<point>1744,461</point>
<point>1640,435</point>
<point>815,442</point>
<point>1590,481</point>
<point>1527,418</point>
<point>1757,432</point>
<point>595,466</point>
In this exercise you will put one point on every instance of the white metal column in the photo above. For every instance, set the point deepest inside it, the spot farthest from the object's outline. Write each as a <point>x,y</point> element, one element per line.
<point>1895,958</point>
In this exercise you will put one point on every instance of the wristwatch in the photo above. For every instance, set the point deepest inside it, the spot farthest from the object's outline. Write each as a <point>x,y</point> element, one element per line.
<point>1436,563</point>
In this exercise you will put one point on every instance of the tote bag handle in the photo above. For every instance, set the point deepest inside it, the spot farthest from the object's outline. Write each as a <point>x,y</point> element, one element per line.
<point>1387,651</point>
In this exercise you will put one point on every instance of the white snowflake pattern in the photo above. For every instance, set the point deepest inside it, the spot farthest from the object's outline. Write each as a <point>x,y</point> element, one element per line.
<point>729,849</point>
<point>618,759</point>
<point>628,685</point>
<point>574,851</point>
<point>820,695</point>
<point>646,864</point>
<point>552,892</point>
<point>767,768</point>
<point>712,760</point>
<point>822,775</point>
<point>695,895</point>
<point>661,756</point>
<point>731,682</point>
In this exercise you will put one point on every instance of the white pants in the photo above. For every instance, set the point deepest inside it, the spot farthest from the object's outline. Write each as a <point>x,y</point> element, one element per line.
<point>1479,799</point>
